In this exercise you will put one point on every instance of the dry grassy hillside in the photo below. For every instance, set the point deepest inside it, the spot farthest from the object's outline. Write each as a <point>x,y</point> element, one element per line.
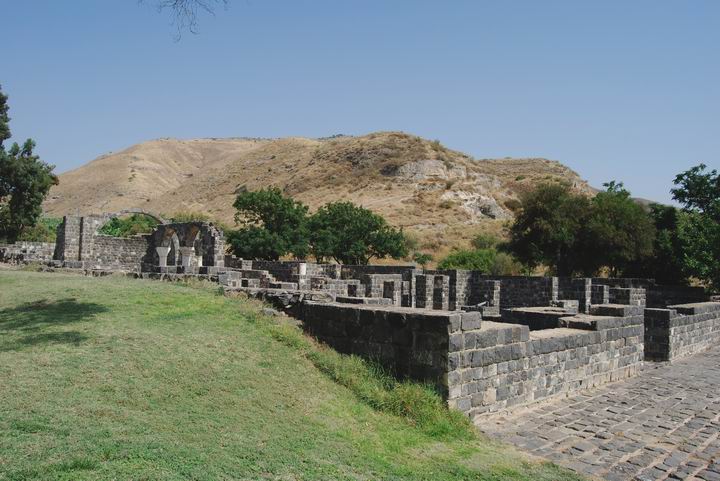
<point>441,196</point>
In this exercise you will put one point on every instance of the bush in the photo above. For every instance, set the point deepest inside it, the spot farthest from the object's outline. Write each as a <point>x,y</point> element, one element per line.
<point>474,260</point>
<point>129,226</point>
<point>485,241</point>
<point>44,231</point>
<point>487,261</point>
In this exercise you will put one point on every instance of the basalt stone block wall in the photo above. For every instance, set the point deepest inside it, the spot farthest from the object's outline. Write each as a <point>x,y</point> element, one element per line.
<point>482,366</point>
<point>27,252</point>
<point>118,253</point>
<point>663,296</point>
<point>681,330</point>
<point>630,296</point>
<point>410,342</point>
<point>576,289</point>
<point>520,291</point>
<point>504,366</point>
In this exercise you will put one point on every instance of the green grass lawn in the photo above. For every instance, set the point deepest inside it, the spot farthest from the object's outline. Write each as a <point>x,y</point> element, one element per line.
<point>120,379</point>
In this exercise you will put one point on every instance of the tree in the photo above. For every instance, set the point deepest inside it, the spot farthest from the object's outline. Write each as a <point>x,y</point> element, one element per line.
<point>351,234</point>
<point>25,181</point>
<point>256,243</point>
<point>185,12</point>
<point>698,191</point>
<point>665,264</point>
<point>617,232</point>
<point>422,258</point>
<point>273,225</point>
<point>547,229</point>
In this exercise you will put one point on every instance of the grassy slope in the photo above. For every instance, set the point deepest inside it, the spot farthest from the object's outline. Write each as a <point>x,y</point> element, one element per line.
<point>123,379</point>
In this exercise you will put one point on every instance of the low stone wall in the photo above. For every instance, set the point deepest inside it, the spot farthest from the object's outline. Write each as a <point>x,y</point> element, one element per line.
<point>412,343</point>
<point>483,366</point>
<point>527,291</point>
<point>27,252</point>
<point>505,365</point>
<point>681,330</point>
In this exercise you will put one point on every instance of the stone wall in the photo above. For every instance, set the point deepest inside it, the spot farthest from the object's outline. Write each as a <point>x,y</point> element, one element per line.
<point>24,251</point>
<point>117,253</point>
<point>412,343</point>
<point>504,365</point>
<point>681,330</point>
<point>483,366</point>
<point>520,291</point>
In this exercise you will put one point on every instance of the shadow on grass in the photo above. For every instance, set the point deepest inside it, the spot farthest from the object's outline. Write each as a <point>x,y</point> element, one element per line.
<point>22,326</point>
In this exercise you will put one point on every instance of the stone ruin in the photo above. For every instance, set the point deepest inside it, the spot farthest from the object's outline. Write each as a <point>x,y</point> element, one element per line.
<point>488,343</point>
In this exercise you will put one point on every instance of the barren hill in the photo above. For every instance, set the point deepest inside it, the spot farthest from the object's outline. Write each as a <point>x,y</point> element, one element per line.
<point>441,196</point>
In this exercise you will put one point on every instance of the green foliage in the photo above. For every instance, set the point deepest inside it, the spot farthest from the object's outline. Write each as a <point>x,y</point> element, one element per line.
<point>128,226</point>
<point>473,260</point>
<point>486,260</point>
<point>547,228</point>
<point>485,241</point>
<point>422,258</point>
<point>25,181</point>
<point>193,216</point>
<point>699,229</point>
<point>575,235</point>
<point>45,230</point>
<point>256,243</point>
<point>351,234</point>
<point>666,264</point>
<point>273,225</point>
<point>699,191</point>
<point>189,216</point>
<point>617,232</point>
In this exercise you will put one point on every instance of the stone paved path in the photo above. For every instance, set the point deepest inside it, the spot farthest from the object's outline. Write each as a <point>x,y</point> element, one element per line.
<point>663,424</point>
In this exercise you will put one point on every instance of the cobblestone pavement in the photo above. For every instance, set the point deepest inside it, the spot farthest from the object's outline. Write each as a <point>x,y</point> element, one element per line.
<point>662,424</point>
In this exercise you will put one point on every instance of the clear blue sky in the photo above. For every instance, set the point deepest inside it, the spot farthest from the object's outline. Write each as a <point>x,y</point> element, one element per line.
<point>626,90</point>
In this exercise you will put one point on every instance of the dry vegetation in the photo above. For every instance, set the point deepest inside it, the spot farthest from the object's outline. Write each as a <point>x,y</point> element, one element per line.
<point>442,197</point>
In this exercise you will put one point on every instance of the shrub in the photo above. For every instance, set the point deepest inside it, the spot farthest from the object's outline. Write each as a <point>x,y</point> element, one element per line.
<point>474,260</point>
<point>485,241</point>
<point>44,231</point>
<point>128,226</point>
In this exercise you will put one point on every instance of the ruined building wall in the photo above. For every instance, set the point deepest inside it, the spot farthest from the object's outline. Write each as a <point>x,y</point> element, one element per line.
<point>117,253</point>
<point>506,365</point>
<point>681,330</point>
<point>483,366</point>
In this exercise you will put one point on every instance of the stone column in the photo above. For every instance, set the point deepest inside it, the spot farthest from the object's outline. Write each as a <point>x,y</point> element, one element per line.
<point>187,254</point>
<point>302,269</point>
<point>163,255</point>
<point>199,260</point>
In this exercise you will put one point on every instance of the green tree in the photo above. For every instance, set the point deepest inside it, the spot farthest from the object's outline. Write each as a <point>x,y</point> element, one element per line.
<point>698,190</point>
<point>272,225</point>
<point>617,233</point>
<point>547,228</point>
<point>25,181</point>
<point>666,264</point>
<point>422,258</point>
<point>351,234</point>
<point>254,242</point>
